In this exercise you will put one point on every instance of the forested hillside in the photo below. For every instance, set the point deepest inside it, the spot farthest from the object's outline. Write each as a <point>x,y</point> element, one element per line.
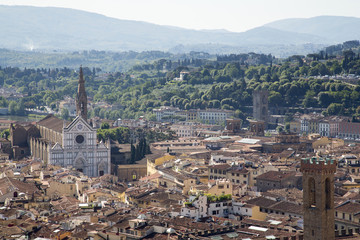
<point>227,82</point>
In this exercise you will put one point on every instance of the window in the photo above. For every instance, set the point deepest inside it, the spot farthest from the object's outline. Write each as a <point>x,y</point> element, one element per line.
<point>79,139</point>
<point>312,199</point>
<point>327,193</point>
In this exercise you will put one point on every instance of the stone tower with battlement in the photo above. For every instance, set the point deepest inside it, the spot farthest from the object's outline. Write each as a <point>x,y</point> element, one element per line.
<point>318,198</point>
<point>261,105</point>
<point>81,98</point>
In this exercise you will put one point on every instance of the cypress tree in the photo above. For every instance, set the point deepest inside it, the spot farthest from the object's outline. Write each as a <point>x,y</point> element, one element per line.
<point>133,151</point>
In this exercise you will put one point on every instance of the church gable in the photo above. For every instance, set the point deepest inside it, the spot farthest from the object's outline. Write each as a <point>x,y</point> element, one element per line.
<point>78,125</point>
<point>57,146</point>
<point>101,145</point>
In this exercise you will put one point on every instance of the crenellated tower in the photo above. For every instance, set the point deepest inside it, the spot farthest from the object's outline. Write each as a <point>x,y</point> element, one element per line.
<point>318,198</point>
<point>81,98</point>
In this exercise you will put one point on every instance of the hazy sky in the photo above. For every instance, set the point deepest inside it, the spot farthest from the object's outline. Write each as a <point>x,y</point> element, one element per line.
<point>233,15</point>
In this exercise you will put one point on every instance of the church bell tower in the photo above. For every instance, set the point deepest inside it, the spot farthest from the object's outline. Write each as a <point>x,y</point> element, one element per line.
<point>81,98</point>
<point>318,198</point>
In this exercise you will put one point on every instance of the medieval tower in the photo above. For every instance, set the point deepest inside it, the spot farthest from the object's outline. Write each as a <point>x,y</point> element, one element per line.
<point>318,198</point>
<point>81,98</point>
<point>261,105</point>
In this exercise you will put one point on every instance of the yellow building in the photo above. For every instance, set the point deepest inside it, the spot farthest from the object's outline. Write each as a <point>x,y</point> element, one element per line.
<point>295,126</point>
<point>221,187</point>
<point>256,213</point>
<point>326,142</point>
<point>131,172</point>
<point>62,189</point>
<point>151,165</point>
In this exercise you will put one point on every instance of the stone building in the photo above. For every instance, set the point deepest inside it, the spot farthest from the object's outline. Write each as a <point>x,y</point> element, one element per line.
<point>261,105</point>
<point>19,138</point>
<point>277,180</point>
<point>257,127</point>
<point>233,126</point>
<point>72,145</point>
<point>318,198</point>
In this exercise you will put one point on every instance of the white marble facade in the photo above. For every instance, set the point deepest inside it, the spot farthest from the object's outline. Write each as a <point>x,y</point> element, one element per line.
<point>79,150</point>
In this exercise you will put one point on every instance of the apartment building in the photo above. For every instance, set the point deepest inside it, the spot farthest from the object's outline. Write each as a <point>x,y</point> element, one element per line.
<point>210,116</point>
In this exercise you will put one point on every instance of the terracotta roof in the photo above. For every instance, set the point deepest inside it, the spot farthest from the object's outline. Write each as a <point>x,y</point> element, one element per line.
<point>261,202</point>
<point>220,166</point>
<point>287,207</point>
<point>237,169</point>
<point>8,185</point>
<point>180,176</point>
<point>275,175</point>
<point>349,207</point>
<point>52,122</point>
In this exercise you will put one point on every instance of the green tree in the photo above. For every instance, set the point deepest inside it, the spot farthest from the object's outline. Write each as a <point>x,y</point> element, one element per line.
<point>105,125</point>
<point>5,133</point>
<point>64,114</point>
<point>12,108</point>
<point>310,99</point>
<point>335,109</point>
<point>275,99</point>
<point>133,154</point>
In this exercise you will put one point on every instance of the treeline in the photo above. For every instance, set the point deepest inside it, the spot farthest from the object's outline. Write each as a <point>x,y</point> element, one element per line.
<point>247,58</point>
<point>139,151</point>
<point>226,83</point>
<point>338,49</point>
<point>124,135</point>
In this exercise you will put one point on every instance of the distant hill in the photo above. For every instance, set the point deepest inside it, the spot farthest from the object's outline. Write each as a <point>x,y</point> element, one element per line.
<point>332,28</point>
<point>48,28</point>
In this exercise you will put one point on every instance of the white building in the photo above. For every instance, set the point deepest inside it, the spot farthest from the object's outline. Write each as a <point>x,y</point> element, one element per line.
<point>324,128</point>
<point>79,149</point>
<point>201,207</point>
<point>184,130</point>
<point>165,111</point>
<point>210,116</point>
<point>213,116</point>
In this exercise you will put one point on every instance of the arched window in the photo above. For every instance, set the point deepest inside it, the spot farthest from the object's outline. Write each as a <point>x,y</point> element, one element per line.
<point>312,193</point>
<point>80,165</point>
<point>327,193</point>
<point>134,175</point>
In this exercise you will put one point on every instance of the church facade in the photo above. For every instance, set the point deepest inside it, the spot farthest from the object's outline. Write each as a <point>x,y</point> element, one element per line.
<point>79,150</point>
<point>72,145</point>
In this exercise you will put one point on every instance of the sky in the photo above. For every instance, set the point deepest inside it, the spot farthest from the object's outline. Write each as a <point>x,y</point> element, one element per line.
<point>232,15</point>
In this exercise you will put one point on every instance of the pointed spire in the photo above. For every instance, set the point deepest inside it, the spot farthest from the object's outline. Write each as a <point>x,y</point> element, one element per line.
<point>81,98</point>
<point>81,76</point>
